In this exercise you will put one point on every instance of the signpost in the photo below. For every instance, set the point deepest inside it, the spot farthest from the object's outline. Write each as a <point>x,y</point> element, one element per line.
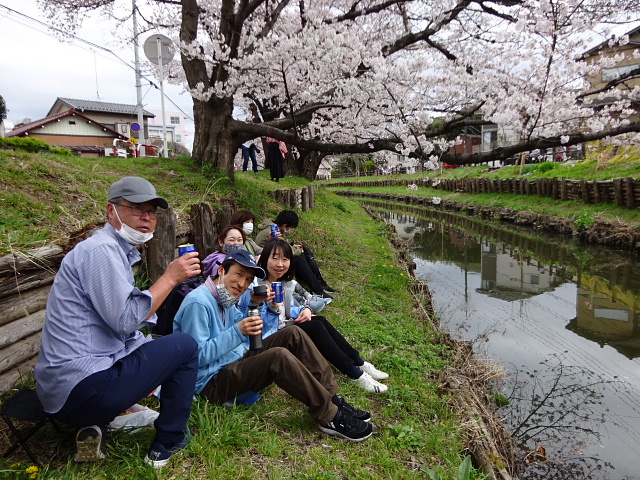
<point>159,50</point>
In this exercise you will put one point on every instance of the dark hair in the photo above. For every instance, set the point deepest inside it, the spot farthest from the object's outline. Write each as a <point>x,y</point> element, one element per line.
<point>287,217</point>
<point>241,216</point>
<point>224,232</point>
<point>274,245</point>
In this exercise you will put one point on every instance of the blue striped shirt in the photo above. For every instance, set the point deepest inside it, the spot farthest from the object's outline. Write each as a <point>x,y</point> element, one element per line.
<point>93,315</point>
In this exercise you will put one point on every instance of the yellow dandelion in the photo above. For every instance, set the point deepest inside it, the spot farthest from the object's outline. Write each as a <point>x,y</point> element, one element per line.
<point>384,265</point>
<point>32,469</point>
<point>379,275</point>
<point>402,274</point>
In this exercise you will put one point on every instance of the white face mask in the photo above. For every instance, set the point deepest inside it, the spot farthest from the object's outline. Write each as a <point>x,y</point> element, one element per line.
<point>248,228</point>
<point>131,235</point>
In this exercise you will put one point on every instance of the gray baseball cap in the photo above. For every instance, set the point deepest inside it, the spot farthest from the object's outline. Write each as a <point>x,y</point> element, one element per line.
<point>136,190</point>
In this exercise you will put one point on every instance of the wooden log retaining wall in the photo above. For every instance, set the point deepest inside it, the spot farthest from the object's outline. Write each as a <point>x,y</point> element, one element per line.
<point>26,277</point>
<point>624,192</point>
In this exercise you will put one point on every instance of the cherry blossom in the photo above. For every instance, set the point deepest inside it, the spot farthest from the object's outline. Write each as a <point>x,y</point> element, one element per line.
<point>339,76</point>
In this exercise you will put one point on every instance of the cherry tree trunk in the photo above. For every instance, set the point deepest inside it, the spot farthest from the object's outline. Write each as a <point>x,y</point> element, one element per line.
<point>214,144</point>
<point>307,163</point>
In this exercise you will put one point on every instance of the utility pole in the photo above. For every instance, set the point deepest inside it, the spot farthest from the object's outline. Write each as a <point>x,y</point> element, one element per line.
<point>164,123</point>
<point>141,139</point>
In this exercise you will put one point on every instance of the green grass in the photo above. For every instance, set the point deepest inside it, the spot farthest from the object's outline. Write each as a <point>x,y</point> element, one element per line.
<point>416,429</point>
<point>600,164</point>
<point>571,209</point>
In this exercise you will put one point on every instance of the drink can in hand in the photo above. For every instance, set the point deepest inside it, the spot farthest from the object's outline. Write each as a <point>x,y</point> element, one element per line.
<point>274,231</point>
<point>279,291</point>
<point>186,247</point>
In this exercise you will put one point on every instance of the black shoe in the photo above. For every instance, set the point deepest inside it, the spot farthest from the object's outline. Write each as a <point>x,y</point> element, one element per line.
<point>327,288</point>
<point>158,455</point>
<point>91,444</point>
<point>350,409</point>
<point>348,427</point>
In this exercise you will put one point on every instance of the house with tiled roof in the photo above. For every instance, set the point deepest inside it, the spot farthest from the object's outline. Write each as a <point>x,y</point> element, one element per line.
<point>116,116</point>
<point>73,130</point>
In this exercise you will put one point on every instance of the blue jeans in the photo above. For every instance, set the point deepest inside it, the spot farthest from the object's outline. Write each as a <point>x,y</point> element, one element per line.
<point>170,361</point>
<point>249,153</point>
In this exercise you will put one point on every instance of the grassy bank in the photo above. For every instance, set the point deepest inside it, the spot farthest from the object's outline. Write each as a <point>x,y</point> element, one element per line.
<point>45,197</point>
<point>571,209</point>
<point>600,163</point>
<point>625,164</point>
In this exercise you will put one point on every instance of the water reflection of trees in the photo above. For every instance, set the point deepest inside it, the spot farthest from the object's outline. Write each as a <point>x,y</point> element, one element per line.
<point>558,406</point>
<point>617,268</point>
<point>610,276</point>
<point>555,405</point>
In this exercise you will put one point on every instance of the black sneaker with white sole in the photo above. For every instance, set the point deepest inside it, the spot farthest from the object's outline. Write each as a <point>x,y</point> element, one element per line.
<point>342,404</point>
<point>159,455</point>
<point>348,427</point>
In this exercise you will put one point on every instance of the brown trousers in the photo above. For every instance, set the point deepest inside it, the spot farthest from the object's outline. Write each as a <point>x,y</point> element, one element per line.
<point>291,361</point>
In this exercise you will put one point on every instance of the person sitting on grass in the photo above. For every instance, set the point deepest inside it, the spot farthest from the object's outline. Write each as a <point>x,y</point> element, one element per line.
<point>276,260</point>
<point>94,363</point>
<point>230,239</point>
<point>307,271</point>
<point>246,220</point>
<point>227,369</point>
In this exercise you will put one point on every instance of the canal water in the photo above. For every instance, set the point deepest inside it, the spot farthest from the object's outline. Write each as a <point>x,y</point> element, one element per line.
<point>562,318</point>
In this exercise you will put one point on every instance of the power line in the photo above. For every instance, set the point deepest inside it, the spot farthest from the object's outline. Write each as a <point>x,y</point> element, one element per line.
<point>47,32</point>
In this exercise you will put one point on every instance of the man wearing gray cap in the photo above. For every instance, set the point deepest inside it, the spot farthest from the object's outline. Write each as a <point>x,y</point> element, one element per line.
<point>94,363</point>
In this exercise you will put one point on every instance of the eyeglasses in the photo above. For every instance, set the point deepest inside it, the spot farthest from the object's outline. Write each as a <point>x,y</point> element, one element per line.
<point>138,212</point>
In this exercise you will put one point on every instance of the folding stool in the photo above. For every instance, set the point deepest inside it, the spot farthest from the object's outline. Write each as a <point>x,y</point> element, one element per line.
<point>25,406</point>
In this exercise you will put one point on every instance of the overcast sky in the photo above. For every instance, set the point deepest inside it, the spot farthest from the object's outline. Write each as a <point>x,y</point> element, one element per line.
<point>36,68</point>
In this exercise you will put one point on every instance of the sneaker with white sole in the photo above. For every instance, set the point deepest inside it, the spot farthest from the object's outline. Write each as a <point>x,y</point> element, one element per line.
<point>348,427</point>
<point>368,384</point>
<point>373,371</point>
<point>158,455</point>
<point>90,445</point>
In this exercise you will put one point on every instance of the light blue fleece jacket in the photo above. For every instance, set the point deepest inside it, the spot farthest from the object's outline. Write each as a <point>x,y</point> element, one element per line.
<point>219,343</point>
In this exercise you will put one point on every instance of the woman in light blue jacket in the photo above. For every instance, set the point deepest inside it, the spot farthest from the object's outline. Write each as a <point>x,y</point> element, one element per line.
<point>275,259</point>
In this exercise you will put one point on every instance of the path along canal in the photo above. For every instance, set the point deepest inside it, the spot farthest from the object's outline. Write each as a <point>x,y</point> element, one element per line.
<point>562,318</point>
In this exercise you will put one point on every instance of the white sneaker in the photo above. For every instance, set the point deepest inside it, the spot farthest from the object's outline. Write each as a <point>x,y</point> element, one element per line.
<point>368,384</point>
<point>373,371</point>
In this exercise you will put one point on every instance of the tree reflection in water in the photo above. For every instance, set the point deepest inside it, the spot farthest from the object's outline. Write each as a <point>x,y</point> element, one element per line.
<point>553,408</point>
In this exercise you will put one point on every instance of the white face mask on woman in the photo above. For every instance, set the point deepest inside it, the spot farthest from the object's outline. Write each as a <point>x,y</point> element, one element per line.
<point>248,228</point>
<point>131,235</point>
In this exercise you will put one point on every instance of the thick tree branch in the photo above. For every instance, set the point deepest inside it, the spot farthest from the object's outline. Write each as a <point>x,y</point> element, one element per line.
<point>354,12</point>
<point>536,143</point>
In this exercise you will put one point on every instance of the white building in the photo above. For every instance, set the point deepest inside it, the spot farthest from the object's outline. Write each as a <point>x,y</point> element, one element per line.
<point>179,127</point>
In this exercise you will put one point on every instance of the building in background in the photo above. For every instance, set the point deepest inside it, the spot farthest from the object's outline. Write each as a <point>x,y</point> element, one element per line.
<point>624,72</point>
<point>116,116</point>
<point>179,127</point>
<point>73,130</point>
